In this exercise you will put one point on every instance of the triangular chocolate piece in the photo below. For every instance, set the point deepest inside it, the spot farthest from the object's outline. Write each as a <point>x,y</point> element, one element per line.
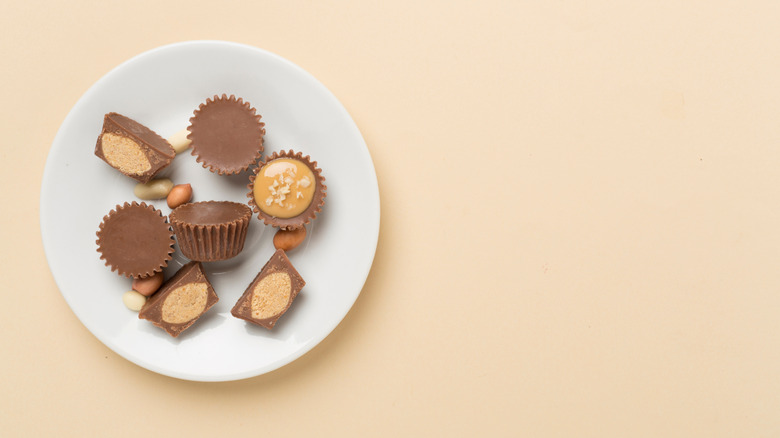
<point>271,292</point>
<point>181,300</point>
<point>132,148</point>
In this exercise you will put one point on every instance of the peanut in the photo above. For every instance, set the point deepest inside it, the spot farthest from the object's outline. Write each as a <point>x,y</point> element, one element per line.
<point>180,194</point>
<point>154,189</point>
<point>179,141</point>
<point>133,300</point>
<point>287,240</point>
<point>149,285</point>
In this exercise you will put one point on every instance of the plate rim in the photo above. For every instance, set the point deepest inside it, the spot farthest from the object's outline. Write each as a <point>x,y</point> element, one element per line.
<point>116,348</point>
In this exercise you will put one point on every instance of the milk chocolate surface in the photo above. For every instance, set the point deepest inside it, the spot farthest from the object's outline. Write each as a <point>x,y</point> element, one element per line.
<point>271,293</point>
<point>135,240</point>
<point>226,134</point>
<point>212,230</point>
<point>132,148</point>
<point>181,300</point>
<point>211,213</point>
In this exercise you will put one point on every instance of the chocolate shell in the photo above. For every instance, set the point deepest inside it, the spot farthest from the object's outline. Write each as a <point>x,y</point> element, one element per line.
<point>317,201</point>
<point>212,230</point>
<point>227,135</point>
<point>135,240</point>
<point>181,300</point>
<point>132,148</point>
<point>271,293</point>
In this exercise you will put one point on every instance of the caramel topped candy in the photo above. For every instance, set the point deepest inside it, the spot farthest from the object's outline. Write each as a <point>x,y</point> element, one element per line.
<point>287,190</point>
<point>284,187</point>
<point>271,293</point>
<point>132,148</point>
<point>181,300</point>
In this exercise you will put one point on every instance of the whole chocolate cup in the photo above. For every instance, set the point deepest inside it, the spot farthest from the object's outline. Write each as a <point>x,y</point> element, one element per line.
<point>227,135</point>
<point>135,240</point>
<point>317,200</point>
<point>212,230</point>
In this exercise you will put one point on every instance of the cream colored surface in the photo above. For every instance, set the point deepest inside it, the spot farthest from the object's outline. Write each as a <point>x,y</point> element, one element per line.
<point>579,232</point>
<point>179,141</point>
<point>154,189</point>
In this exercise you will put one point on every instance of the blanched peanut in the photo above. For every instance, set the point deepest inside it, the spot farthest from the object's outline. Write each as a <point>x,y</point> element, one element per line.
<point>149,285</point>
<point>154,189</point>
<point>179,141</point>
<point>133,300</point>
<point>180,194</point>
<point>289,239</point>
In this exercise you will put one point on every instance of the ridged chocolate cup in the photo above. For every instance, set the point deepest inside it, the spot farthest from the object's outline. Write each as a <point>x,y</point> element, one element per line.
<point>227,135</point>
<point>212,230</point>
<point>135,240</point>
<point>317,201</point>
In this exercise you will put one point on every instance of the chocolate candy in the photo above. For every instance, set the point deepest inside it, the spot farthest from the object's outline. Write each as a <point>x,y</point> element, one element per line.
<point>132,148</point>
<point>181,300</point>
<point>135,240</point>
<point>226,134</point>
<point>271,292</point>
<point>211,230</point>
<point>287,190</point>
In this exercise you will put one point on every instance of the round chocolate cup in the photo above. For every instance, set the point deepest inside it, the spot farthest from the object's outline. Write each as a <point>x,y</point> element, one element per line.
<point>316,202</point>
<point>212,230</point>
<point>227,135</point>
<point>135,240</point>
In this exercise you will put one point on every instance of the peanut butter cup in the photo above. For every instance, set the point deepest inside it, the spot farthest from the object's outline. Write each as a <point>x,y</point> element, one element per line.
<point>132,148</point>
<point>181,300</point>
<point>227,135</point>
<point>287,190</point>
<point>212,230</point>
<point>271,293</point>
<point>135,240</point>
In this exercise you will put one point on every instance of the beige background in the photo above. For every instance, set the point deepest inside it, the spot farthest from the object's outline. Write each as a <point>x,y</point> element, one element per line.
<point>579,222</point>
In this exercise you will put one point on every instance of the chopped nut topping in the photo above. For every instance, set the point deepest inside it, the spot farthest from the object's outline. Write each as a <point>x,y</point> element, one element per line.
<point>290,184</point>
<point>281,187</point>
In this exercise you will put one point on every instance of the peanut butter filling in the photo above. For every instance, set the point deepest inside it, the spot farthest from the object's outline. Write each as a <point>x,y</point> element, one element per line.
<point>271,295</point>
<point>185,303</point>
<point>124,154</point>
<point>284,188</point>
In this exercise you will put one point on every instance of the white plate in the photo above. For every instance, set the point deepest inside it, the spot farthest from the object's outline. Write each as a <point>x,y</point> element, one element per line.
<point>160,89</point>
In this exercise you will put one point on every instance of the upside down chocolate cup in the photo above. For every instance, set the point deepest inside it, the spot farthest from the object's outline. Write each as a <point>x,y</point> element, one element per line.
<point>227,135</point>
<point>135,240</point>
<point>212,230</point>
<point>281,185</point>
